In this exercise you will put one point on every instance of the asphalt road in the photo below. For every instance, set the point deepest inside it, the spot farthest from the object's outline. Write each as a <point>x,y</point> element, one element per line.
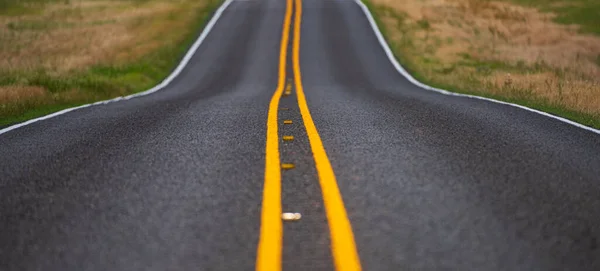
<point>174,180</point>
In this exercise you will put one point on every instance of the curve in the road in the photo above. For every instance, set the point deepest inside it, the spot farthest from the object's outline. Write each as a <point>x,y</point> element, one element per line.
<point>380,38</point>
<point>174,180</point>
<point>182,64</point>
<point>416,82</point>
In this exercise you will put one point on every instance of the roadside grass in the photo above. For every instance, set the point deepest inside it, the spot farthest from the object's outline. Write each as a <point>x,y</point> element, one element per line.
<point>58,54</point>
<point>498,50</point>
<point>585,13</point>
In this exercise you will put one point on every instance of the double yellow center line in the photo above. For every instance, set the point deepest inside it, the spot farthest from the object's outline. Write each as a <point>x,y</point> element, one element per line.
<point>270,244</point>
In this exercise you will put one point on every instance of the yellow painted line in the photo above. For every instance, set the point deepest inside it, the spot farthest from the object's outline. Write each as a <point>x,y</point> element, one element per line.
<point>343,246</point>
<point>268,256</point>
<point>284,108</point>
<point>288,138</point>
<point>288,166</point>
<point>288,122</point>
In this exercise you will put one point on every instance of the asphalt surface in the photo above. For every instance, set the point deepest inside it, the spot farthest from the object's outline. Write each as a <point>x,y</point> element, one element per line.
<point>173,180</point>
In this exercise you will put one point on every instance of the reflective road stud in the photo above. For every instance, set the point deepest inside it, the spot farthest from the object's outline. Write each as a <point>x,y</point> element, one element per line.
<point>287,166</point>
<point>291,216</point>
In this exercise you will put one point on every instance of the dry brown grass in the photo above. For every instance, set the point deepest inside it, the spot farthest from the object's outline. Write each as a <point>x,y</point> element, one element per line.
<point>80,34</point>
<point>497,47</point>
<point>15,93</point>
<point>87,32</point>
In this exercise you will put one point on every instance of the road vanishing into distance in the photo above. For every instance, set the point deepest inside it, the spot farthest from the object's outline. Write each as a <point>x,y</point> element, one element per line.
<point>293,106</point>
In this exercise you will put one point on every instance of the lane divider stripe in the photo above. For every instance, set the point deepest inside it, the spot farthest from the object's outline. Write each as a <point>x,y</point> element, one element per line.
<point>343,247</point>
<point>269,250</point>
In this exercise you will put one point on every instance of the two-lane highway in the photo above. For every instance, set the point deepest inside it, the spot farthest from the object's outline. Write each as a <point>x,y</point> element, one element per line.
<point>387,176</point>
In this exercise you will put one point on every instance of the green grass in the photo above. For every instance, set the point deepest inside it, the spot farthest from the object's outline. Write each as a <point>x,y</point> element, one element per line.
<point>474,86</point>
<point>585,13</point>
<point>100,82</point>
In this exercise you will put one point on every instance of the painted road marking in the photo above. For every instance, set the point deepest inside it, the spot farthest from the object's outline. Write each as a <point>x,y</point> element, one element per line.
<point>288,89</point>
<point>268,256</point>
<point>288,138</point>
<point>270,244</point>
<point>343,246</point>
<point>287,166</point>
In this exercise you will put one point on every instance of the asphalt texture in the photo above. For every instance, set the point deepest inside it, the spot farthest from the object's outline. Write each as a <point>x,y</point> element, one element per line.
<point>173,180</point>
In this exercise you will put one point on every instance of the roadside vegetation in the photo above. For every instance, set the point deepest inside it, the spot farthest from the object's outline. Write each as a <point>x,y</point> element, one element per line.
<point>60,53</point>
<point>543,54</point>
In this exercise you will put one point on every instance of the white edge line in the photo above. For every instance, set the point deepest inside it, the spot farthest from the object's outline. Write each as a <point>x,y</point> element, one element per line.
<point>190,53</point>
<point>401,70</point>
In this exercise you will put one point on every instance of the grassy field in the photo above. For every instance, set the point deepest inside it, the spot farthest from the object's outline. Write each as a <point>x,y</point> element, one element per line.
<point>544,54</point>
<point>60,53</point>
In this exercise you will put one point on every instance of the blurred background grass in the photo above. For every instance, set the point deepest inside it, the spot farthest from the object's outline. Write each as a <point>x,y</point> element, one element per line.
<point>543,54</point>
